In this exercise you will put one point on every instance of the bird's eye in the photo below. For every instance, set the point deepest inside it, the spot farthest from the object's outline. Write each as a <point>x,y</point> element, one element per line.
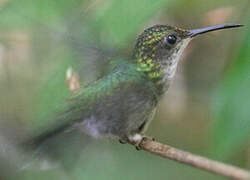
<point>171,39</point>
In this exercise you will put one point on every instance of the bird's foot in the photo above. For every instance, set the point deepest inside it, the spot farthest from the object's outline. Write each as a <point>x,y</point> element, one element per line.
<point>122,141</point>
<point>136,139</point>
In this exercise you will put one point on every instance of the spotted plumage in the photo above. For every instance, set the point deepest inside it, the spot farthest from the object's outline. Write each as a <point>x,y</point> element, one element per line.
<point>148,51</point>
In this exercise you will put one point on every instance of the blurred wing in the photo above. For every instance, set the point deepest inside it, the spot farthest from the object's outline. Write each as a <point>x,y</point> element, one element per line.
<point>53,141</point>
<point>105,91</point>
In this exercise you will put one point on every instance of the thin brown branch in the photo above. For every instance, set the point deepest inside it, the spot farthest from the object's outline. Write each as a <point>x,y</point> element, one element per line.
<point>203,163</point>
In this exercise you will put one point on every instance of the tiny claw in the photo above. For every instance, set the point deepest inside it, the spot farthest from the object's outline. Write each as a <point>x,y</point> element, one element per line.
<point>122,141</point>
<point>147,137</point>
<point>136,139</point>
<point>138,144</point>
<point>137,147</point>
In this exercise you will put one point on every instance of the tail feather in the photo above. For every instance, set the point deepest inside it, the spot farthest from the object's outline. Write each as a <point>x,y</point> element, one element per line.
<point>37,140</point>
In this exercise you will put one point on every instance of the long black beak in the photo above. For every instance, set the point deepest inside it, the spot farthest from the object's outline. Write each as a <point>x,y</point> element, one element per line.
<point>195,32</point>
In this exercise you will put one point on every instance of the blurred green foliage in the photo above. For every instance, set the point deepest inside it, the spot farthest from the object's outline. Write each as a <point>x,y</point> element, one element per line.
<point>231,102</point>
<point>119,20</point>
<point>55,35</point>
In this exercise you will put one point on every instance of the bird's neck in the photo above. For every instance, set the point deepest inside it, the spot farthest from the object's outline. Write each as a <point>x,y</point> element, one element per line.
<point>158,71</point>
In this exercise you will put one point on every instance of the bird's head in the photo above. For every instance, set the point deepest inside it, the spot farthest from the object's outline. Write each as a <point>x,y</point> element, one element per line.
<point>158,49</point>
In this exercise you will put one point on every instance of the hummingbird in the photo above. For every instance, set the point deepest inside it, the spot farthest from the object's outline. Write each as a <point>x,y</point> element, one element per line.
<point>121,104</point>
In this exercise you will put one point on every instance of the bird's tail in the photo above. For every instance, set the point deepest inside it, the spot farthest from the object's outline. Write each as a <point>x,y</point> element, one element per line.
<point>63,122</point>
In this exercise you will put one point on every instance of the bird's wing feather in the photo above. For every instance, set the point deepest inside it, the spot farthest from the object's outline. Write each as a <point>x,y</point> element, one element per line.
<point>122,78</point>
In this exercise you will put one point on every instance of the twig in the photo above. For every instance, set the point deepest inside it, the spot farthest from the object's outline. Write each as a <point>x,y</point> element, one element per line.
<point>72,80</point>
<point>169,152</point>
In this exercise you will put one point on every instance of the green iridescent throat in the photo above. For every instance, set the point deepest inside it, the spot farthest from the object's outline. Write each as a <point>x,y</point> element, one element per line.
<point>145,54</point>
<point>150,67</point>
